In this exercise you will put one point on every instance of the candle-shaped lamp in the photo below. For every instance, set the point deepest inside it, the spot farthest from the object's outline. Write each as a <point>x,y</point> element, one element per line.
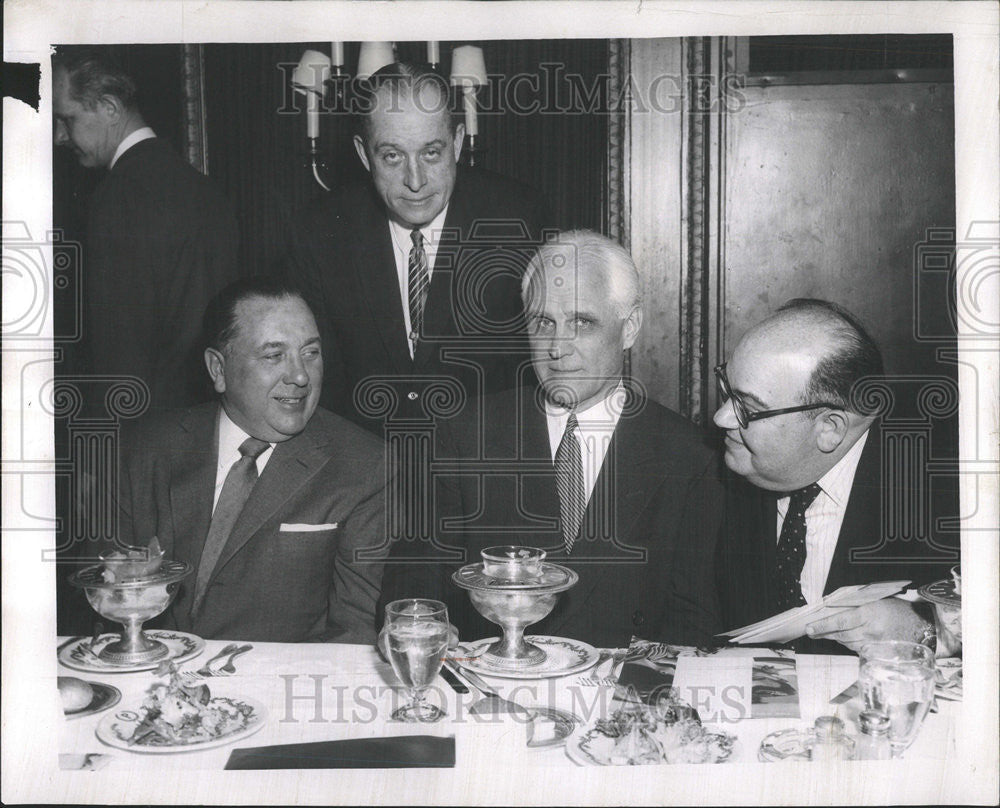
<point>337,52</point>
<point>433,53</point>
<point>374,56</point>
<point>309,78</point>
<point>468,71</point>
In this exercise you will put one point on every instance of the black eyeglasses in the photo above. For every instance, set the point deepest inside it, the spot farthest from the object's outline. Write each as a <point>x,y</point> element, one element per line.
<point>745,416</point>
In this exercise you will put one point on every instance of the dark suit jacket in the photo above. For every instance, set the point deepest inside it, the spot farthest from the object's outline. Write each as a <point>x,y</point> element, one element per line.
<point>342,256</point>
<point>272,583</point>
<point>161,241</point>
<point>746,561</point>
<point>653,514</point>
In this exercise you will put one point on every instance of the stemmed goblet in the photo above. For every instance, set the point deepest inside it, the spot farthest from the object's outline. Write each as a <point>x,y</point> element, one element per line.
<point>897,680</point>
<point>416,639</point>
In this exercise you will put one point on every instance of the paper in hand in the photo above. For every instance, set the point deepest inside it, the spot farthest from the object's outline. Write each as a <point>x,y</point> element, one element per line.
<point>791,624</point>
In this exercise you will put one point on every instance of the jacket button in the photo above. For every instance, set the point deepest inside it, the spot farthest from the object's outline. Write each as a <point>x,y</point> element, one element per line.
<point>638,618</point>
<point>412,395</point>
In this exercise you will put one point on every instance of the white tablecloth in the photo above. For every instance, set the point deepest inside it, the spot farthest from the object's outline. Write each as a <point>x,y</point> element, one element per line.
<point>324,692</point>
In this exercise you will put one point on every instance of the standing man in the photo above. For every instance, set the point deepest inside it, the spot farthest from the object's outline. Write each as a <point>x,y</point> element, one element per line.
<point>814,491</point>
<point>608,482</point>
<point>161,237</point>
<point>276,503</point>
<point>416,273</point>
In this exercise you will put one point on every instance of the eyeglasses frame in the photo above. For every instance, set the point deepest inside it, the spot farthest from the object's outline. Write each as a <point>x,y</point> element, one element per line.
<point>744,416</point>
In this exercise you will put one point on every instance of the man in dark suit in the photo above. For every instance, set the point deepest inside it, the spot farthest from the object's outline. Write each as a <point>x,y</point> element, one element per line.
<point>415,274</point>
<point>161,237</point>
<point>805,519</point>
<point>289,555</point>
<point>607,481</point>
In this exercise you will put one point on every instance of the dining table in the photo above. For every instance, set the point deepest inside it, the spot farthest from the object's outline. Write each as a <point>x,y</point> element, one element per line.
<point>319,692</point>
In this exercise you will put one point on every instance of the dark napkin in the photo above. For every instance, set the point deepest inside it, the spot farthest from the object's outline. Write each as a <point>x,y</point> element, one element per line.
<point>402,752</point>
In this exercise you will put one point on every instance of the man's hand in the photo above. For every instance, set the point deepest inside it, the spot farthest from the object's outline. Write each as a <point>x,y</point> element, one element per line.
<point>887,619</point>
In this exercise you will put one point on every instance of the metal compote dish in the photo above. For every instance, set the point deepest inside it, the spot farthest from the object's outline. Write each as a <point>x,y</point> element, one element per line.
<point>131,589</point>
<point>514,587</point>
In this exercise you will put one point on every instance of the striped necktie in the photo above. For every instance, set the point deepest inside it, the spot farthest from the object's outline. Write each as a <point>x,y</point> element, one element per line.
<point>417,281</point>
<point>235,492</point>
<point>569,482</point>
<point>791,555</point>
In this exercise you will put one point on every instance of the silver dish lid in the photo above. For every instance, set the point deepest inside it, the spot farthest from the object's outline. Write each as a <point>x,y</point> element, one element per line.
<point>551,578</point>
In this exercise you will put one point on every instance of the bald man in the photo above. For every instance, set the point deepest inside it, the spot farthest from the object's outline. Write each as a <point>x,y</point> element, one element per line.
<point>812,497</point>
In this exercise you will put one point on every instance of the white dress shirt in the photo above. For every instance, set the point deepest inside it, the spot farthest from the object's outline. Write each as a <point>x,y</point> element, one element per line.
<point>401,246</point>
<point>823,520</point>
<point>596,427</point>
<point>231,437</point>
<point>139,135</point>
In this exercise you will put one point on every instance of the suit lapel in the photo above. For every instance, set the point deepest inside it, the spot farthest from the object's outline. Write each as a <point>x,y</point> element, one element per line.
<point>292,464</point>
<point>439,310</point>
<point>855,530</point>
<point>375,268</point>
<point>541,497</point>
<point>192,483</point>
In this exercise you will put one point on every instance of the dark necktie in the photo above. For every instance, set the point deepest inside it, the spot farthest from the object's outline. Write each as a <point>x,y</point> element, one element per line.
<point>416,284</point>
<point>569,482</point>
<point>235,491</point>
<point>791,554</point>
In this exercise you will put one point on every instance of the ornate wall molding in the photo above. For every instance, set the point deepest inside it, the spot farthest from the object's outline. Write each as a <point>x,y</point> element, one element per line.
<point>195,130</point>
<point>619,104</point>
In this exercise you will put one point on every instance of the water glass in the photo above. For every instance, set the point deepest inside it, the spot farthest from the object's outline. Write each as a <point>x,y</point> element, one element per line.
<point>897,680</point>
<point>417,639</point>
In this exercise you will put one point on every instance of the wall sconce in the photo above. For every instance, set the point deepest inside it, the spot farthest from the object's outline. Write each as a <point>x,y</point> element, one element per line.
<point>468,71</point>
<point>374,56</point>
<point>310,78</point>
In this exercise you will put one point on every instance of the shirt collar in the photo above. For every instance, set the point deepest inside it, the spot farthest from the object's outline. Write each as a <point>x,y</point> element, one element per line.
<point>603,413</point>
<point>231,437</point>
<point>839,480</point>
<point>431,232</point>
<point>144,133</point>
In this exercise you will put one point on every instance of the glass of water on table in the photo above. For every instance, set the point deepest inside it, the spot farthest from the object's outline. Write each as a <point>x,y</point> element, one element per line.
<point>416,639</point>
<point>897,680</point>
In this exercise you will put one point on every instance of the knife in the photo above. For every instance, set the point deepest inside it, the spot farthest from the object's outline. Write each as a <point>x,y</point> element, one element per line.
<point>456,684</point>
<point>847,695</point>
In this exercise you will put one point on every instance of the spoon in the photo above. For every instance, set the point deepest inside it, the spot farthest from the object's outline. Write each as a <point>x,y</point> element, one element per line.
<point>229,667</point>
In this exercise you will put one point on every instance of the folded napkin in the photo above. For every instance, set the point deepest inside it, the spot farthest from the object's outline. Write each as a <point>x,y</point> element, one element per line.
<point>402,752</point>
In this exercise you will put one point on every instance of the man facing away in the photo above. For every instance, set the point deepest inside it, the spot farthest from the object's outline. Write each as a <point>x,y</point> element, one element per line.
<point>276,503</point>
<point>585,466</point>
<point>415,274</point>
<point>161,237</point>
<point>812,455</point>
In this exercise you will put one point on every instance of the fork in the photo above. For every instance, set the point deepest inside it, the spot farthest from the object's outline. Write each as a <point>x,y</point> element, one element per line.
<point>206,669</point>
<point>593,678</point>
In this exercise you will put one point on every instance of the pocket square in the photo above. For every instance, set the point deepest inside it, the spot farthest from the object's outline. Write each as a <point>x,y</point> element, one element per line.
<point>294,528</point>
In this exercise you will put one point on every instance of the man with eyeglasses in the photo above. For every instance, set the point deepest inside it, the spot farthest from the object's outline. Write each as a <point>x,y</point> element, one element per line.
<point>813,513</point>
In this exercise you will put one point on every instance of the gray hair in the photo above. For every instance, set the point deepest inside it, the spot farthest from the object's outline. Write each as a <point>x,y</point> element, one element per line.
<point>588,251</point>
<point>94,73</point>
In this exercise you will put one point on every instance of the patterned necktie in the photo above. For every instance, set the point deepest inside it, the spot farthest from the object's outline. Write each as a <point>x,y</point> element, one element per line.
<point>791,554</point>
<point>569,482</point>
<point>235,491</point>
<point>417,282</point>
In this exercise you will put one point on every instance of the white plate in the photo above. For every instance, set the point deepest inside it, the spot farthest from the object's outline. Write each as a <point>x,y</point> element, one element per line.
<point>588,746</point>
<point>116,730</point>
<point>181,647</point>
<point>562,657</point>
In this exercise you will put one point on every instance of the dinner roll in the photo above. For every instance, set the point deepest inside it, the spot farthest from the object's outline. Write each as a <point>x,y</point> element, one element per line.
<point>76,693</point>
